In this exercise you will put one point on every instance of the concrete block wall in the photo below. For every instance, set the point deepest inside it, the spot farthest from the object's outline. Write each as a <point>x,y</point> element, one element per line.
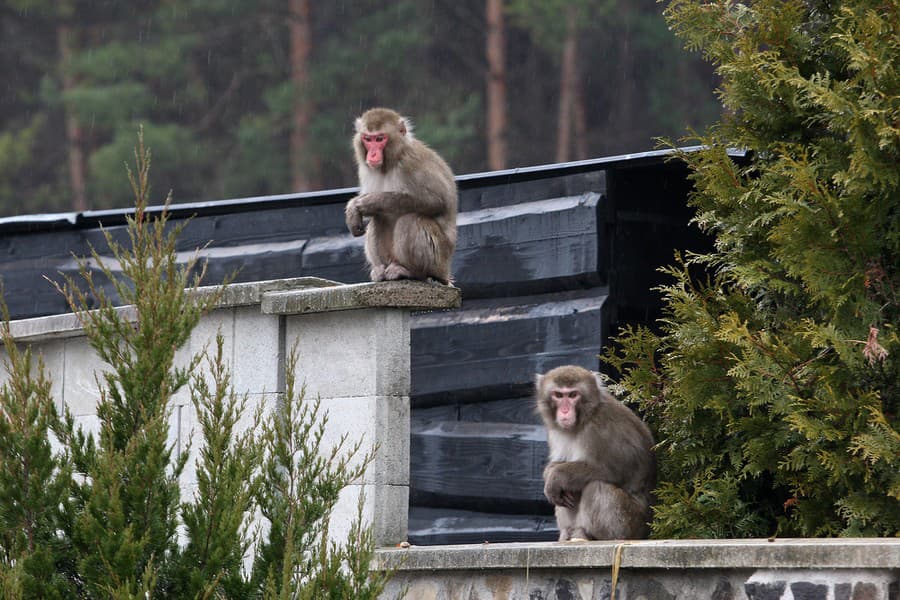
<point>790,569</point>
<point>352,346</point>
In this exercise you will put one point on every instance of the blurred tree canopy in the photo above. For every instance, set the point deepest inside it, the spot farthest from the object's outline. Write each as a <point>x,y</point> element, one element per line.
<point>215,85</point>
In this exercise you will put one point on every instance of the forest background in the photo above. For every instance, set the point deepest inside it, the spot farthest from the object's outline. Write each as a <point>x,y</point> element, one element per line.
<point>243,98</point>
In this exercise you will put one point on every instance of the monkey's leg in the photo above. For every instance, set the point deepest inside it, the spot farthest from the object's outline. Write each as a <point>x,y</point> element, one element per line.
<point>420,250</point>
<point>378,248</point>
<point>607,512</point>
<point>565,519</point>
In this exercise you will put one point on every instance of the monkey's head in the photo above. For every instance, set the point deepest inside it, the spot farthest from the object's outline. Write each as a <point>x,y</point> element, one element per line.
<point>566,396</point>
<point>381,134</point>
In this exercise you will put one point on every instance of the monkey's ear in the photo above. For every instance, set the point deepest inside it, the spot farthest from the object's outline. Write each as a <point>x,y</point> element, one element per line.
<point>405,126</point>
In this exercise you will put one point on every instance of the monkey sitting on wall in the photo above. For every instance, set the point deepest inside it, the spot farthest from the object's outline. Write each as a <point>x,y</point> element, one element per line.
<point>408,194</point>
<point>602,470</point>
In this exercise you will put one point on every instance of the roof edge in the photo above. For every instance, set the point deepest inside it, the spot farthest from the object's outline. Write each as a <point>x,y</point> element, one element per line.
<point>41,223</point>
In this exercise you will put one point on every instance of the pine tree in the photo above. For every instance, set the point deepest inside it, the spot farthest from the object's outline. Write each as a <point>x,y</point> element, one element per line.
<point>774,382</point>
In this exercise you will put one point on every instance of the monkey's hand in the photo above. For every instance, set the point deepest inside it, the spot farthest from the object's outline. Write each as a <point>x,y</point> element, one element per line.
<point>555,490</point>
<point>354,219</point>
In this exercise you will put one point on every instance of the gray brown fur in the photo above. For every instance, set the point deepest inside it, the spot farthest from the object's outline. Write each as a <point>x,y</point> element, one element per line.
<point>410,202</point>
<point>602,470</point>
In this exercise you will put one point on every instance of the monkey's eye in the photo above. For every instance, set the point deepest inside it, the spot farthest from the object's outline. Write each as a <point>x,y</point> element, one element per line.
<point>379,138</point>
<point>573,394</point>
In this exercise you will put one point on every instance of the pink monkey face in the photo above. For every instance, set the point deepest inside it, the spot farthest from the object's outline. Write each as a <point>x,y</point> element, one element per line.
<point>374,144</point>
<point>565,401</point>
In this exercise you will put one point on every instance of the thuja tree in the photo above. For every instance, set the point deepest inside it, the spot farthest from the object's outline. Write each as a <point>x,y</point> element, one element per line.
<point>773,382</point>
<point>102,516</point>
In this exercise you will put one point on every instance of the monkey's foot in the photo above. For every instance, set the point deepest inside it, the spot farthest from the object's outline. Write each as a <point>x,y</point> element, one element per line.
<point>579,535</point>
<point>376,273</point>
<point>396,271</point>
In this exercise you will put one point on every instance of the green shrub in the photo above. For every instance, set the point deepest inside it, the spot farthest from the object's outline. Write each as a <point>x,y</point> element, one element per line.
<point>100,518</point>
<point>773,382</point>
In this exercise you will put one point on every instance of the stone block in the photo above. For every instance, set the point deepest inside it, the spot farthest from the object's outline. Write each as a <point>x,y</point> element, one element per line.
<point>250,292</point>
<point>257,357</point>
<point>53,353</point>
<point>385,508</point>
<point>381,420</point>
<point>805,590</point>
<point>411,295</point>
<point>650,588</point>
<point>866,591</point>
<point>824,584</point>
<point>345,354</point>
<point>57,326</point>
<point>723,590</point>
<point>203,337</point>
<point>82,370</point>
<point>765,590</point>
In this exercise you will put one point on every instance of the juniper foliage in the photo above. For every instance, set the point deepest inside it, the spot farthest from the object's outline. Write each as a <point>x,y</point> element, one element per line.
<point>100,514</point>
<point>34,481</point>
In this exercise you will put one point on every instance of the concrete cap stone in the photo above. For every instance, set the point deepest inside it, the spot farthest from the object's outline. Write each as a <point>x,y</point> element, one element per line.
<point>53,327</point>
<point>412,295</point>
<point>839,553</point>
<point>251,292</point>
<point>68,325</point>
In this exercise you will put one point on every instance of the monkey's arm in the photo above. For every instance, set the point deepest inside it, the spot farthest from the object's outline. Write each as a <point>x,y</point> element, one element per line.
<point>377,203</point>
<point>563,481</point>
<point>396,203</point>
<point>354,219</point>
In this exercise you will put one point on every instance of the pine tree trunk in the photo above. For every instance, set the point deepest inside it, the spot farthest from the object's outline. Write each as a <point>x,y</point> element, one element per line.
<point>65,39</point>
<point>496,85</point>
<point>303,166</point>
<point>567,84</point>
<point>579,114</point>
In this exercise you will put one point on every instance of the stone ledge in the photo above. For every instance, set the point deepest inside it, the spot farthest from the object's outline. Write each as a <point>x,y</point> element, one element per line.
<point>845,553</point>
<point>56,327</point>
<point>297,295</point>
<point>251,292</point>
<point>68,325</point>
<point>412,295</point>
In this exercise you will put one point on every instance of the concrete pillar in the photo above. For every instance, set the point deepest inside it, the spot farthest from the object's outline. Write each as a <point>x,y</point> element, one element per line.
<point>353,354</point>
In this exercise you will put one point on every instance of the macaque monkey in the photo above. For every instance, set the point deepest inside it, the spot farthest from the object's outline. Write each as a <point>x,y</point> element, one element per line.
<point>408,194</point>
<point>602,470</point>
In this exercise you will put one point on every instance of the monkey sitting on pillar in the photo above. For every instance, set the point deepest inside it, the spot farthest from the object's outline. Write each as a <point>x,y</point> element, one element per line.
<point>408,194</point>
<point>601,471</point>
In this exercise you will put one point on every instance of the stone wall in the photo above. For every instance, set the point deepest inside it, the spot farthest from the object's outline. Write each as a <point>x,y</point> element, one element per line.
<point>790,569</point>
<point>352,346</point>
